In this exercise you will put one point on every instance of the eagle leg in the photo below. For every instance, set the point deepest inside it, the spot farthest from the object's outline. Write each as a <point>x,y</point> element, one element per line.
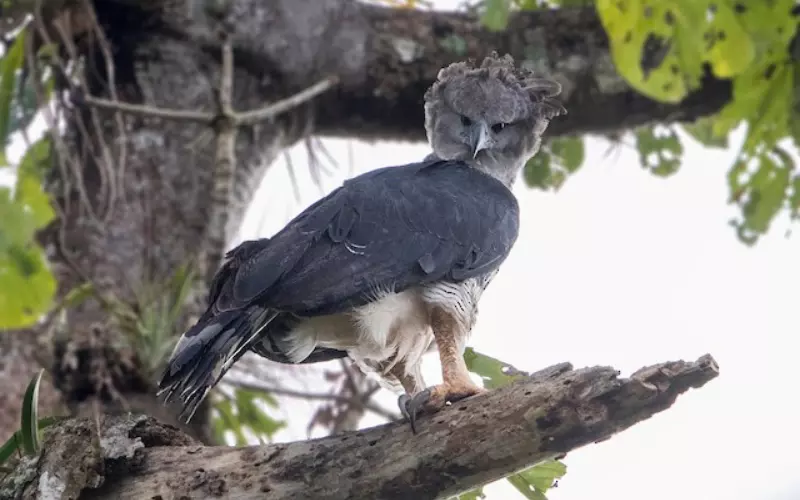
<point>456,382</point>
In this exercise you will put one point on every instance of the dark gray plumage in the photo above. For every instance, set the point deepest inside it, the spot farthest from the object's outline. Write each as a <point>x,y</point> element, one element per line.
<point>390,261</point>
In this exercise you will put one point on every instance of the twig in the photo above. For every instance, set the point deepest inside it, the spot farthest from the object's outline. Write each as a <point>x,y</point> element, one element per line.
<point>150,111</point>
<point>284,105</point>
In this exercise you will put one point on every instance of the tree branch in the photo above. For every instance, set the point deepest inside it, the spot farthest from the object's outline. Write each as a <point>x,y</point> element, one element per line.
<point>465,445</point>
<point>386,58</point>
<point>407,48</point>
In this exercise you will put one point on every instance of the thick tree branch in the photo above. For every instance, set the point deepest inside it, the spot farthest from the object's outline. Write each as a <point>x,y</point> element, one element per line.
<point>387,57</point>
<point>468,444</point>
<point>407,48</point>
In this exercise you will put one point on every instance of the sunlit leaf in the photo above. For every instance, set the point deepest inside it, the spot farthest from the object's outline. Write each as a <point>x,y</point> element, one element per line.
<point>656,46</point>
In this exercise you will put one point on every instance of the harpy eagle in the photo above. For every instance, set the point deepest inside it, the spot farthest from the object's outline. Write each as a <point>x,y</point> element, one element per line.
<point>393,262</point>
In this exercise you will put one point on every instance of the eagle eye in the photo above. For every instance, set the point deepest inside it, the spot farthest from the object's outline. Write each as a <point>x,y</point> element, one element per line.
<point>497,127</point>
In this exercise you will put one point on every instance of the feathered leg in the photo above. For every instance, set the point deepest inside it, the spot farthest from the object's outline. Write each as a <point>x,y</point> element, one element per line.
<point>456,382</point>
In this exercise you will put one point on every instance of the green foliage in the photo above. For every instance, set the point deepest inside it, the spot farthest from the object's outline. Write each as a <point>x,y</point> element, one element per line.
<point>26,439</point>
<point>10,67</point>
<point>27,285</point>
<point>555,161</point>
<point>152,322</point>
<point>535,481</point>
<point>661,152</point>
<point>495,14</point>
<point>662,49</point>
<point>243,413</point>
<point>761,185</point>
<point>476,494</point>
<point>30,415</point>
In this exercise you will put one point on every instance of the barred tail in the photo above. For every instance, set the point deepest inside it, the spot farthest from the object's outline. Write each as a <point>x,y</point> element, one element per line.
<point>205,352</point>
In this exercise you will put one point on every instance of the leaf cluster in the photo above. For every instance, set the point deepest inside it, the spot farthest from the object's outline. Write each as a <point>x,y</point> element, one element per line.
<point>664,50</point>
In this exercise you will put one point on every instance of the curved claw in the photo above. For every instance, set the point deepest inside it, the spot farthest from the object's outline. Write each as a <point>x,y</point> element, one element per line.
<point>411,406</point>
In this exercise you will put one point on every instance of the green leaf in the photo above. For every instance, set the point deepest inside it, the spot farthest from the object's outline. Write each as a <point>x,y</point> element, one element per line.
<point>495,15</point>
<point>794,199</point>
<point>9,67</point>
<point>29,191</point>
<point>762,194</point>
<point>537,170</point>
<point>494,372</point>
<point>243,412</point>
<point>656,46</point>
<point>476,494</point>
<point>660,47</point>
<point>27,285</point>
<point>569,152</point>
<point>11,446</point>
<point>30,416</point>
<point>544,475</point>
<point>534,482</point>
<point>702,131</point>
<point>660,153</point>
<point>729,47</point>
<point>555,161</point>
<point>14,443</point>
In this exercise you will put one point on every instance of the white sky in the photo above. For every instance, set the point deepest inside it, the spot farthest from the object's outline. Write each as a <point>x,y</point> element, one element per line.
<point>625,269</point>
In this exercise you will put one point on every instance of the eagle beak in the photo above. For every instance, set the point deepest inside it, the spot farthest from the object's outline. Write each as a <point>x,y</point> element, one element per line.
<point>482,138</point>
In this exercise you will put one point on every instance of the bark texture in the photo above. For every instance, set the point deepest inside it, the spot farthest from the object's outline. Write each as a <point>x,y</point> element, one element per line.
<point>148,180</point>
<point>464,446</point>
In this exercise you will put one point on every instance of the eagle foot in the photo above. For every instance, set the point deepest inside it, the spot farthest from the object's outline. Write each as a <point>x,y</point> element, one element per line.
<point>433,399</point>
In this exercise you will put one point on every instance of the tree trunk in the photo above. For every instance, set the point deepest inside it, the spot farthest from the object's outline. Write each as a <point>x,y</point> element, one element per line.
<point>468,444</point>
<point>134,190</point>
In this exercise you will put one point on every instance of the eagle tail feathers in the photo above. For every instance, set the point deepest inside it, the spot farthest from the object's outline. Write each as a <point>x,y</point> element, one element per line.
<point>206,351</point>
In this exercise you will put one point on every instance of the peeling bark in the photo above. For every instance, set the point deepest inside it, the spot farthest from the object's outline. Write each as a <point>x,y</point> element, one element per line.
<point>468,444</point>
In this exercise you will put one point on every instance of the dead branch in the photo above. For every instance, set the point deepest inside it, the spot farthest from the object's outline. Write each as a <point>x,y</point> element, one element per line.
<point>468,444</point>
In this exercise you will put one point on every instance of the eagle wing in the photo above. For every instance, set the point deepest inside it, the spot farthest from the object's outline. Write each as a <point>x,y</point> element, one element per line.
<point>389,229</point>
